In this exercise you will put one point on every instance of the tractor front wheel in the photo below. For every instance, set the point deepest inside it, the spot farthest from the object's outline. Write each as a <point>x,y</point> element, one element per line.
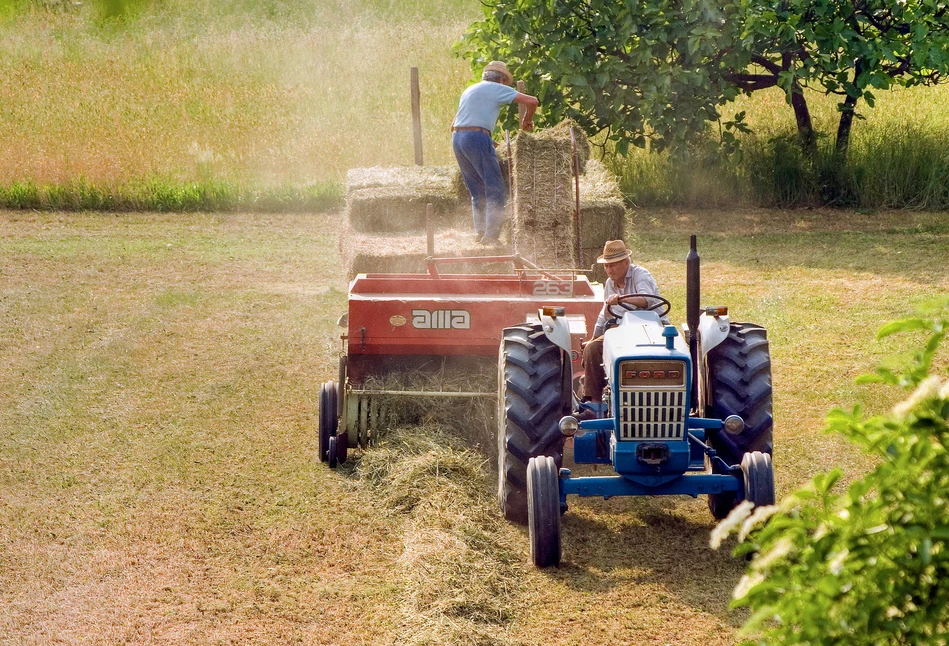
<point>531,402</point>
<point>543,511</point>
<point>739,383</point>
<point>758,474</point>
<point>329,417</point>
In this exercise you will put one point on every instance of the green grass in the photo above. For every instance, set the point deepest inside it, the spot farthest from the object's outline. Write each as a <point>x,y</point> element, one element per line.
<point>158,384</point>
<point>178,105</point>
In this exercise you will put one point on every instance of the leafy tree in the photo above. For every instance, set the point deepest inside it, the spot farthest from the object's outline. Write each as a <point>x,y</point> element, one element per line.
<point>869,565</point>
<point>663,69</point>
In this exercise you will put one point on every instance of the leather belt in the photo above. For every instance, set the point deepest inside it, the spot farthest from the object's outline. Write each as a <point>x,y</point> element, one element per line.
<point>461,128</point>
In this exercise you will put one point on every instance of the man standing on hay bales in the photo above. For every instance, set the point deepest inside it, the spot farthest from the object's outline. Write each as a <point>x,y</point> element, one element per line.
<point>471,140</point>
<point>623,278</point>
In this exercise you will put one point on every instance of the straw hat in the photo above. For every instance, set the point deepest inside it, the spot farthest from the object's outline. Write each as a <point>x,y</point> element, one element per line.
<point>498,66</point>
<point>613,251</point>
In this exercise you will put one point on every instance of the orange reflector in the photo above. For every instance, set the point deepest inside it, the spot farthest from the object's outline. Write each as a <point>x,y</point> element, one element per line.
<point>717,311</point>
<point>551,310</point>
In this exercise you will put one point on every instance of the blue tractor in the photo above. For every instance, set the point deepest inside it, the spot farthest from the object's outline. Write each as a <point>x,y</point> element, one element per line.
<point>684,413</point>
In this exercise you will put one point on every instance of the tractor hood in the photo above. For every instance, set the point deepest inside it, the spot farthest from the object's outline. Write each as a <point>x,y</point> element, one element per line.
<point>639,334</point>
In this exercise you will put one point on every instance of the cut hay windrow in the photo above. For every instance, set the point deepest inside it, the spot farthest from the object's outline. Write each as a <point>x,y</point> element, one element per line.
<point>545,195</point>
<point>406,252</point>
<point>460,560</point>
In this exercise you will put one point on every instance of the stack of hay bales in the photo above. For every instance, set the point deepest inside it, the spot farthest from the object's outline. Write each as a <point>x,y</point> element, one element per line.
<point>543,224</point>
<point>545,200</point>
<point>602,212</point>
<point>383,227</point>
<point>395,199</point>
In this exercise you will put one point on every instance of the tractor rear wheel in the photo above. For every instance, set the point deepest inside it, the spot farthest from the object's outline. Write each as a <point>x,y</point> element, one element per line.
<point>543,511</point>
<point>329,417</point>
<point>531,402</point>
<point>759,478</point>
<point>739,377</point>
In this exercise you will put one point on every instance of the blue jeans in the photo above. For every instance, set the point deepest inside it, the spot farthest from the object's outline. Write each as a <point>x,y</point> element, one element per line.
<point>481,172</point>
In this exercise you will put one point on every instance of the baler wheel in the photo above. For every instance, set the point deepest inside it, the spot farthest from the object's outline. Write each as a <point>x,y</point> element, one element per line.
<point>331,452</point>
<point>543,511</point>
<point>739,375</point>
<point>329,417</point>
<point>758,473</point>
<point>530,405</point>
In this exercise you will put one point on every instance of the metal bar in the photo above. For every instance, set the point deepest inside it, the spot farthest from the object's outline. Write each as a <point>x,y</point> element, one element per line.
<point>416,115</point>
<point>430,228</point>
<point>426,393</point>
<point>576,179</point>
<point>609,486</point>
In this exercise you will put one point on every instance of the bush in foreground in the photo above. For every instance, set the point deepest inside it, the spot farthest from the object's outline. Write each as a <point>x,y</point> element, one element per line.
<point>868,565</point>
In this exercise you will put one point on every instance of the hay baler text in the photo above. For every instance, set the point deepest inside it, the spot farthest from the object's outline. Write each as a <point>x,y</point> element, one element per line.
<point>399,323</point>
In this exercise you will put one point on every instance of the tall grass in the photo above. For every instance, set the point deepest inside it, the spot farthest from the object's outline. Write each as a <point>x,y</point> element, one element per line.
<point>225,104</point>
<point>898,158</point>
<point>250,97</point>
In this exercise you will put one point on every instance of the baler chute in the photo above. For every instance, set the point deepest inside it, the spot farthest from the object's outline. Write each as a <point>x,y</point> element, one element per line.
<point>404,324</point>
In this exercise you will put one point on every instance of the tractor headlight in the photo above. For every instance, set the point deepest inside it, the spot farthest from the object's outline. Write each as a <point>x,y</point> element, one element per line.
<point>569,426</point>
<point>734,424</point>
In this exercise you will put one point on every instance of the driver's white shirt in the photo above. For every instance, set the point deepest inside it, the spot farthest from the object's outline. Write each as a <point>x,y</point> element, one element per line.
<point>638,281</point>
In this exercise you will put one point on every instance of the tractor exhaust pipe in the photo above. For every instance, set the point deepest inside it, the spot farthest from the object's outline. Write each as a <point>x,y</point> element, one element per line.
<point>692,300</point>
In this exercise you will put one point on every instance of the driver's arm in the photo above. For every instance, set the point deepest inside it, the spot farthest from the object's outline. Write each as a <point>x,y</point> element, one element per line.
<point>636,301</point>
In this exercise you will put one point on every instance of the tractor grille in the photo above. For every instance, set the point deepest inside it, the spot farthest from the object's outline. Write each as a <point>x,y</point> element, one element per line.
<point>652,415</point>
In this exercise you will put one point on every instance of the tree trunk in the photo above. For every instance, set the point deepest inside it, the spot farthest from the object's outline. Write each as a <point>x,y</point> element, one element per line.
<point>805,129</point>
<point>842,144</point>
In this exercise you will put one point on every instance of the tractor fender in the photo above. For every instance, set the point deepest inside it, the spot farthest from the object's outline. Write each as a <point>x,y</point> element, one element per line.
<point>557,329</point>
<point>712,331</point>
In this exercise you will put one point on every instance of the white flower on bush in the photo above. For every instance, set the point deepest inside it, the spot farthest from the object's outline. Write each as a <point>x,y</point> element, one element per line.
<point>928,388</point>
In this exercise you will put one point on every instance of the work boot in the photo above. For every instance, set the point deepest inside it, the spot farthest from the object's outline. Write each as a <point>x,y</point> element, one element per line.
<point>478,237</point>
<point>491,242</point>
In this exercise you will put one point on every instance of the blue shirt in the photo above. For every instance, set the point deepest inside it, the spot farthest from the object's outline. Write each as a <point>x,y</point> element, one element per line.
<point>481,104</point>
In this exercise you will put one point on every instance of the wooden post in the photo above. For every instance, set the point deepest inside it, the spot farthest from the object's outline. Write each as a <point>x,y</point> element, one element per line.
<point>430,229</point>
<point>416,116</point>
<point>521,108</point>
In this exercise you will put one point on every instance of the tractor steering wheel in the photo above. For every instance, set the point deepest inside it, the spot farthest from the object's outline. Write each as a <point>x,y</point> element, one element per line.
<point>661,308</point>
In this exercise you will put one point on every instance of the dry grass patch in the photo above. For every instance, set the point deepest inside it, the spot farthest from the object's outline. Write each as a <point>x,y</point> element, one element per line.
<point>158,385</point>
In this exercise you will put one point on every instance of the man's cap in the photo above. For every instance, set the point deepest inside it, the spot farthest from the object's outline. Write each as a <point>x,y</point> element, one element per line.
<point>498,66</point>
<point>614,250</point>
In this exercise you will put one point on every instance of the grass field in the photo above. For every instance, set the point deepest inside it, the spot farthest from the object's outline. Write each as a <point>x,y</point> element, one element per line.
<point>158,385</point>
<point>239,105</point>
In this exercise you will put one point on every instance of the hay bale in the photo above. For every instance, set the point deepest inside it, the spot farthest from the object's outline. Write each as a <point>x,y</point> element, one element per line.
<point>545,195</point>
<point>406,252</point>
<point>395,199</point>
<point>602,211</point>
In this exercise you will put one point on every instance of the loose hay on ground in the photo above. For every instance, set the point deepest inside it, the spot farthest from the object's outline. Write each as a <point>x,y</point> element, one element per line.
<point>460,560</point>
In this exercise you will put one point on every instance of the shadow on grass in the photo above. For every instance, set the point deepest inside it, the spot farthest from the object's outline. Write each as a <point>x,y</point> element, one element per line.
<point>649,544</point>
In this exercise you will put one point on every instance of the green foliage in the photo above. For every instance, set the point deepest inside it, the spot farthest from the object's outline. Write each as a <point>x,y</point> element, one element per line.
<point>630,69</point>
<point>869,565</point>
<point>664,68</point>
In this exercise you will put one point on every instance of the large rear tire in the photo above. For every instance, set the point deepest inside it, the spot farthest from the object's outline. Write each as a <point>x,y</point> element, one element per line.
<point>543,511</point>
<point>739,375</point>
<point>329,417</point>
<point>531,402</point>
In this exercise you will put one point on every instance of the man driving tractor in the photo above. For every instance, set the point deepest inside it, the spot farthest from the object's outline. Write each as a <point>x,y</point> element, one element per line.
<point>624,278</point>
